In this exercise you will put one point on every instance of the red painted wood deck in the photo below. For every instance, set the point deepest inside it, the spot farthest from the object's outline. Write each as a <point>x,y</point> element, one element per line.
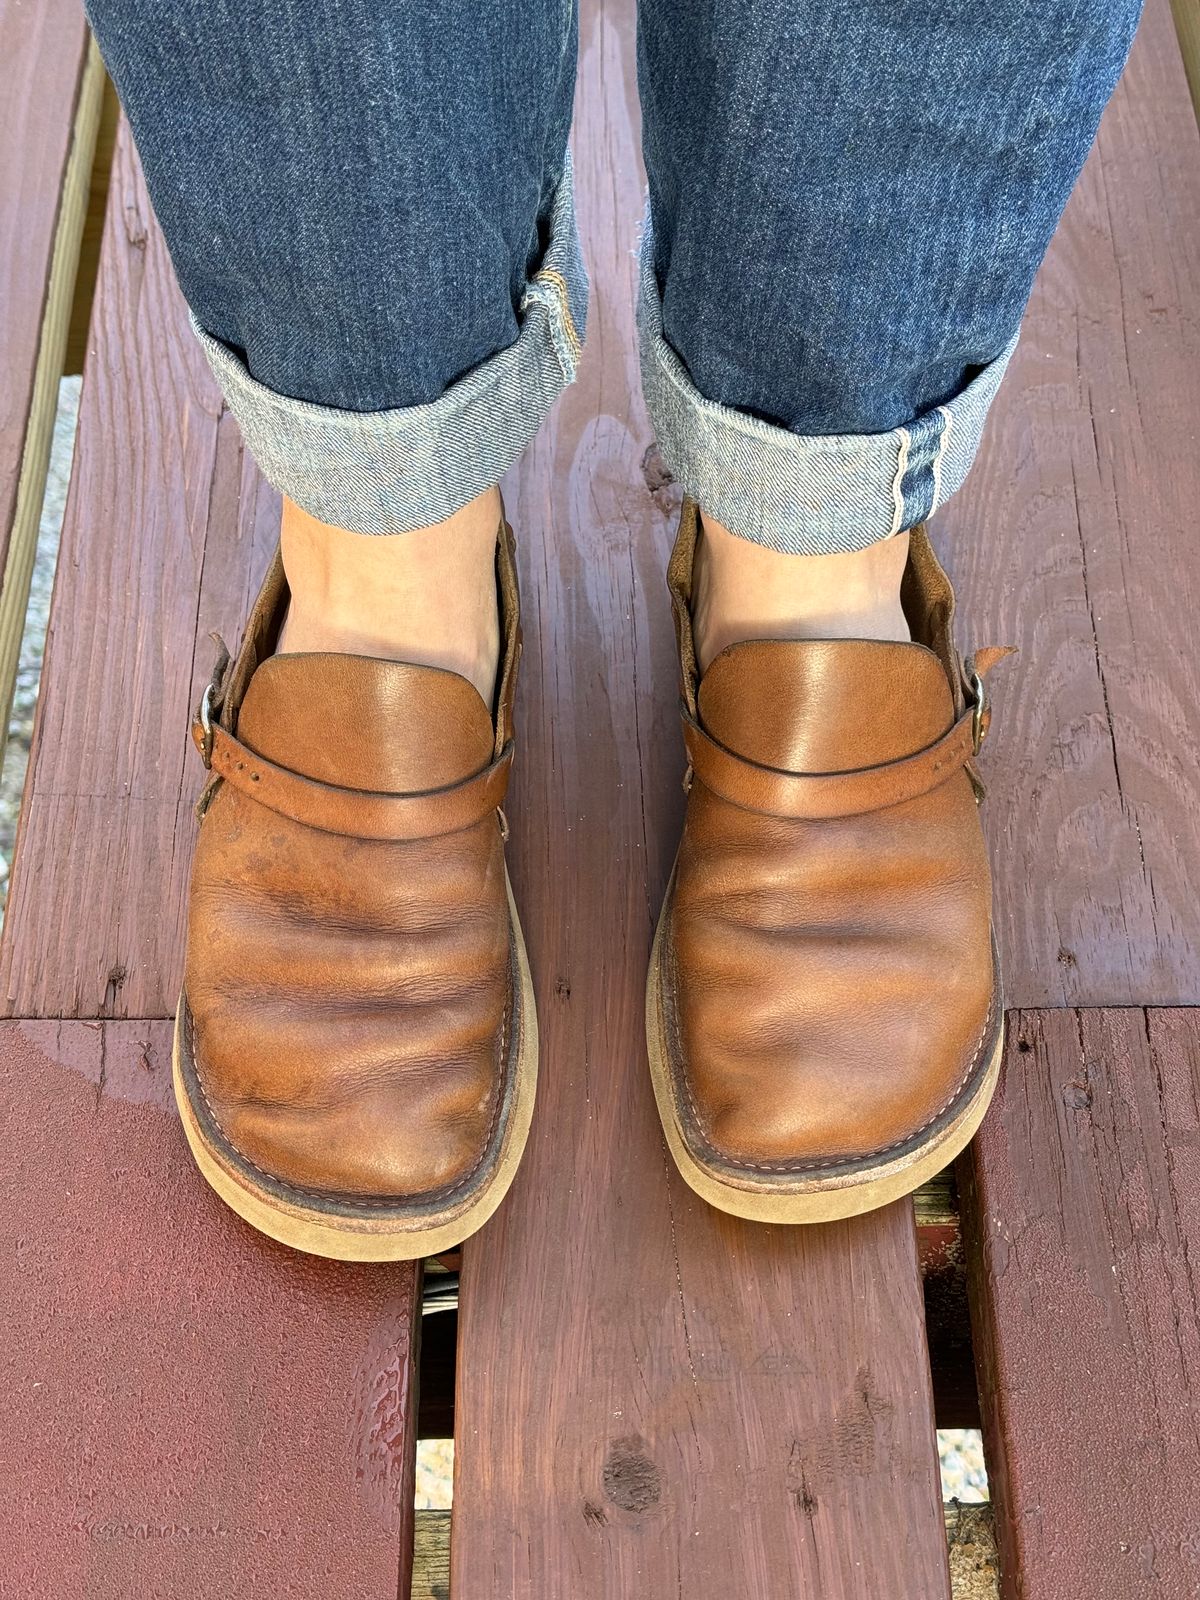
<point>652,1398</point>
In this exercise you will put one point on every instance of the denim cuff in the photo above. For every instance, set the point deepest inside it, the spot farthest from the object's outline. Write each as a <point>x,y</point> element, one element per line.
<point>390,471</point>
<point>804,494</point>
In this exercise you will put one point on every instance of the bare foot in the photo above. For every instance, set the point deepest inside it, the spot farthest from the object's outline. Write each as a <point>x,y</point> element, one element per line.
<point>745,591</point>
<point>428,596</point>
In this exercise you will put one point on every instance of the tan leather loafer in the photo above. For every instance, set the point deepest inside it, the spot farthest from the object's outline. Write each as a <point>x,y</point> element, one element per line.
<point>356,1044</point>
<point>823,1009</point>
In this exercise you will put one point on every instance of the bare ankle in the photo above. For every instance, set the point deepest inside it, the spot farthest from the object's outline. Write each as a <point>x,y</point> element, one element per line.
<point>428,596</point>
<point>746,591</point>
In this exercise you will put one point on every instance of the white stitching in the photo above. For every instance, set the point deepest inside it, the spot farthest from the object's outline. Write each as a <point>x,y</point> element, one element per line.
<point>897,491</point>
<point>937,460</point>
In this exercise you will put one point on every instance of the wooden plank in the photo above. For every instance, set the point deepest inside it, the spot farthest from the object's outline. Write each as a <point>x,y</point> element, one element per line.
<point>51,83</point>
<point>700,1407</point>
<point>947,1325</point>
<point>187,1408</point>
<point>168,528</point>
<point>1075,539</point>
<point>972,1547</point>
<point>1082,1206</point>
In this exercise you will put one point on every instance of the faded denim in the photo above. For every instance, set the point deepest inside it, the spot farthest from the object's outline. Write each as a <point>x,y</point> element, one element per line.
<point>369,207</point>
<point>404,467</point>
<point>813,494</point>
<point>850,201</point>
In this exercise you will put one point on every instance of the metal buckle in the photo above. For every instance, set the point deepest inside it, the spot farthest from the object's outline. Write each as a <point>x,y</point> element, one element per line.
<point>206,726</point>
<point>979,713</point>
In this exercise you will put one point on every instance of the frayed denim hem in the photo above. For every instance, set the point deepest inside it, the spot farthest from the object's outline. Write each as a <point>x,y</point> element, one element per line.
<point>804,494</point>
<point>385,472</point>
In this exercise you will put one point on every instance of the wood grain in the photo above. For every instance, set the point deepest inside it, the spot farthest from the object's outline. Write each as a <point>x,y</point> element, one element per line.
<point>1075,538</point>
<point>168,528</point>
<point>186,1407</point>
<point>699,1406</point>
<point>972,1547</point>
<point>947,1330</point>
<point>1082,1208</point>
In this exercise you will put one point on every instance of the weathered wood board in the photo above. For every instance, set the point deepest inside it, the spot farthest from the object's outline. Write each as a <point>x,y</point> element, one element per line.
<point>1075,538</point>
<point>168,529</point>
<point>1082,1198</point>
<point>700,1407</point>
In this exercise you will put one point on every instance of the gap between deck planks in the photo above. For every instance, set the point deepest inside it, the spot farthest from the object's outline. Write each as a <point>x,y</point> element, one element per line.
<point>51,88</point>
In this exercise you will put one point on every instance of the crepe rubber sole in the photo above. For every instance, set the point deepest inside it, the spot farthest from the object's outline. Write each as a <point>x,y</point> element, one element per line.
<point>822,1195</point>
<point>342,1230</point>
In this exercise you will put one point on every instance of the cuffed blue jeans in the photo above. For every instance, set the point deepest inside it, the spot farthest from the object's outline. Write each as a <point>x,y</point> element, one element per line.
<point>369,207</point>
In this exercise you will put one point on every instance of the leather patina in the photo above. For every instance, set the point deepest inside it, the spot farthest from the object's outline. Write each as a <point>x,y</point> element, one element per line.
<point>825,993</point>
<point>352,1013</point>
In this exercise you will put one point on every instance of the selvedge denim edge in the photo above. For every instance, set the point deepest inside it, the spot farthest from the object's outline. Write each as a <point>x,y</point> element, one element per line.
<point>804,494</point>
<point>387,472</point>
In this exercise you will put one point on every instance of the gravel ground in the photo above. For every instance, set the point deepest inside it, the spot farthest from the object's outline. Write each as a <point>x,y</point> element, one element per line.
<point>29,665</point>
<point>964,1476</point>
<point>435,1474</point>
<point>961,1449</point>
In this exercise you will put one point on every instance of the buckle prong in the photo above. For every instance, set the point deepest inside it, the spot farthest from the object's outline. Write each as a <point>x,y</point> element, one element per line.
<point>979,713</point>
<point>206,726</point>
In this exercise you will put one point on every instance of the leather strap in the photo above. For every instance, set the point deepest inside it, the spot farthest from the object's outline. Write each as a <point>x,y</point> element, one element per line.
<point>356,813</point>
<point>824,795</point>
